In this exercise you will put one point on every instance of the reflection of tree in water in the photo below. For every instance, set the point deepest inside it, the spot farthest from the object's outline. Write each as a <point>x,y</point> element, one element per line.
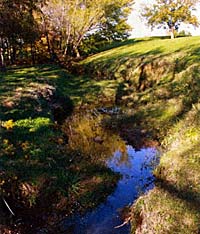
<point>122,157</point>
<point>151,161</point>
<point>88,137</point>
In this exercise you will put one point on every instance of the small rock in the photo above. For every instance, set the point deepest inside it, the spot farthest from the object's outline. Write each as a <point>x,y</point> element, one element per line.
<point>98,139</point>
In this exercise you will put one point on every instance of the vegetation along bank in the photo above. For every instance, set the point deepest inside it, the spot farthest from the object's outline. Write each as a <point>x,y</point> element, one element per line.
<point>158,79</point>
<point>46,112</point>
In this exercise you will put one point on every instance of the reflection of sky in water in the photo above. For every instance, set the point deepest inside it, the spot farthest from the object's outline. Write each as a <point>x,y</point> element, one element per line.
<point>135,168</point>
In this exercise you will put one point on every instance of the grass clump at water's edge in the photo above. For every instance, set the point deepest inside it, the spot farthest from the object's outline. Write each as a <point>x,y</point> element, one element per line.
<point>173,205</point>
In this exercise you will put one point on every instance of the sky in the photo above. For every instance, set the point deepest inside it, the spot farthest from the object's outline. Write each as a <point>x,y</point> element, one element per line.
<point>140,29</point>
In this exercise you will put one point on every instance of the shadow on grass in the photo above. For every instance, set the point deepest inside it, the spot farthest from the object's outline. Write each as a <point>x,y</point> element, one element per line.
<point>108,46</point>
<point>185,174</point>
<point>27,93</point>
<point>157,104</point>
<point>40,159</point>
<point>120,57</point>
<point>78,88</point>
<point>132,41</point>
<point>191,198</point>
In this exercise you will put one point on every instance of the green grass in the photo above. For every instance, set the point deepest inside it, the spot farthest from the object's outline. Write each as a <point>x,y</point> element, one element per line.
<point>78,88</point>
<point>40,166</point>
<point>160,85</point>
<point>145,47</point>
<point>157,83</point>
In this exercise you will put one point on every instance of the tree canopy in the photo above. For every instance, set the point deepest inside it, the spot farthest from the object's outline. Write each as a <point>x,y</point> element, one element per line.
<point>58,28</point>
<point>73,21</point>
<point>170,14</point>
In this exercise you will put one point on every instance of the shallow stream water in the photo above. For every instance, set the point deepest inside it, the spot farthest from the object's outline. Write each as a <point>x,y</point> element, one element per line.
<point>135,168</point>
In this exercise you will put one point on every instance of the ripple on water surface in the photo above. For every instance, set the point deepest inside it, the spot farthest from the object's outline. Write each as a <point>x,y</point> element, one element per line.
<point>136,170</point>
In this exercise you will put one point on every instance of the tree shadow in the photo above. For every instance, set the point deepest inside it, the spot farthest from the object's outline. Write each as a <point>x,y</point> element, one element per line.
<point>78,88</point>
<point>26,93</point>
<point>191,198</point>
<point>152,74</point>
<point>132,41</point>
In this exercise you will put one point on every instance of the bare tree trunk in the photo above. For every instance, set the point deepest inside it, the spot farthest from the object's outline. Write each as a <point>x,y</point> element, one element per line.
<point>75,49</point>
<point>60,42</point>
<point>14,52</point>
<point>2,62</point>
<point>32,53</point>
<point>47,38</point>
<point>67,41</point>
<point>1,57</point>
<point>171,30</point>
<point>8,51</point>
<point>48,44</point>
<point>65,51</point>
<point>9,55</point>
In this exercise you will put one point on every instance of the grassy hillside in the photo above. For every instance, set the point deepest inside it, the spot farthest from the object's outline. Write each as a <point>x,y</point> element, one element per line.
<point>159,80</point>
<point>156,82</point>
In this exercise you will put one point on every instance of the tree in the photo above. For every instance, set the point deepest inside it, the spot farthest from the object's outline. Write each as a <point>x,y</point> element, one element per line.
<point>184,33</point>
<point>17,27</point>
<point>58,28</point>
<point>115,26</point>
<point>170,14</point>
<point>68,22</point>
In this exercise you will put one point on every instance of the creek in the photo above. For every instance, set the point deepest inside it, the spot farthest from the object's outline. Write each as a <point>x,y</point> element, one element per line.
<point>135,168</point>
<point>89,136</point>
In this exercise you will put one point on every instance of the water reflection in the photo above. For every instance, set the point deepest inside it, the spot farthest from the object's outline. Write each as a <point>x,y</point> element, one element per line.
<point>136,170</point>
<point>88,136</point>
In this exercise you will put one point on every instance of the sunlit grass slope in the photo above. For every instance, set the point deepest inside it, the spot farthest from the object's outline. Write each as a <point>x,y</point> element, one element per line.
<point>159,80</point>
<point>119,62</point>
<point>145,46</point>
